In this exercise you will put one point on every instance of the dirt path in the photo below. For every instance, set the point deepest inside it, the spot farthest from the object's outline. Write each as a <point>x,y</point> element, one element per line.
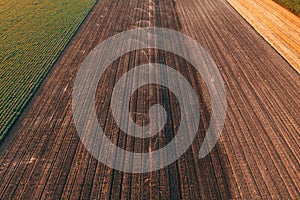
<point>277,25</point>
<point>256,156</point>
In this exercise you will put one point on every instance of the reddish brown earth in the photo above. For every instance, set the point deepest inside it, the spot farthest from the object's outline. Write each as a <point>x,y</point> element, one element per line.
<point>257,155</point>
<point>276,24</point>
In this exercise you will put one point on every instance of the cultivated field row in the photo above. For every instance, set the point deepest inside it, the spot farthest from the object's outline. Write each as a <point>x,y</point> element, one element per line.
<point>33,34</point>
<point>277,25</point>
<point>256,156</point>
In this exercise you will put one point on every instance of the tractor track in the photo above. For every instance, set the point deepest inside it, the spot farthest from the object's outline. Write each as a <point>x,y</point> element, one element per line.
<point>257,155</point>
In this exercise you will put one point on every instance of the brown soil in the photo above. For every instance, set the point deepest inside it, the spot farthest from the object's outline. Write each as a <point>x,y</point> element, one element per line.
<point>256,156</point>
<point>278,26</point>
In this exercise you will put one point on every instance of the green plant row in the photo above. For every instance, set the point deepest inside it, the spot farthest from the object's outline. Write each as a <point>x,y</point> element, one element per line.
<point>33,34</point>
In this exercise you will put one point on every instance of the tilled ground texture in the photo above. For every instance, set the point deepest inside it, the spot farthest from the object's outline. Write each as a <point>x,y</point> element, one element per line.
<point>278,26</point>
<point>256,156</point>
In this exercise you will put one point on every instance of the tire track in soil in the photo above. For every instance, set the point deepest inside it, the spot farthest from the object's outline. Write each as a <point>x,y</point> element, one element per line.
<point>256,155</point>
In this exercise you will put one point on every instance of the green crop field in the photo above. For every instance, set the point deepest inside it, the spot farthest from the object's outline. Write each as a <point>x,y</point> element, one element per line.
<point>33,34</point>
<point>292,5</point>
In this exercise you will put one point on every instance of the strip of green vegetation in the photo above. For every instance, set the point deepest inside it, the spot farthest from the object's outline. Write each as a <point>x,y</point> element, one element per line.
<point>33,33</point>
<point>292,5</point>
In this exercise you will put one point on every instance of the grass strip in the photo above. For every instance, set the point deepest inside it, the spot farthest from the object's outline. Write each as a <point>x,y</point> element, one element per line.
<point>33,34</point>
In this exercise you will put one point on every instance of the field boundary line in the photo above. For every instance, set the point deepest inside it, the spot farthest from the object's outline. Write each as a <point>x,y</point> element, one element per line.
<point>45,74</point>
<point>278,26</point>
